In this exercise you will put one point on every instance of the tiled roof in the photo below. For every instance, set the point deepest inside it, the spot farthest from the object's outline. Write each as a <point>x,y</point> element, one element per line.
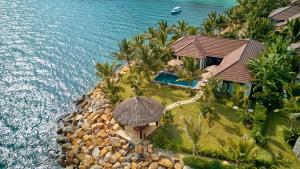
<point>235,54</point>
<point>286,13</point>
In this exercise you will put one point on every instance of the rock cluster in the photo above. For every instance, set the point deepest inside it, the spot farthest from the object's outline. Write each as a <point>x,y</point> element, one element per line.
<point>88,140</point>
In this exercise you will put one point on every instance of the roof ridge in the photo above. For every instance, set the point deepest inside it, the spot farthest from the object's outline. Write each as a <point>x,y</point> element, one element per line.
<point>237,60</point>
<point>199,46</point>
<point>178,40</point>
<point>185,45</point>
<point>285,8</point>
<point>231,39</point>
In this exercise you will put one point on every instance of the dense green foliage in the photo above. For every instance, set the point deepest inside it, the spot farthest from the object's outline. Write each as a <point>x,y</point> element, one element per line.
<point>291,135</point>
<point>274,74</point>
<point>204,163</point>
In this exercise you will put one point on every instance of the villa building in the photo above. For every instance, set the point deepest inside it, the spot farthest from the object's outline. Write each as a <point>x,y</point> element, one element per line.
<point>227,57</point>
<point>281,16</point>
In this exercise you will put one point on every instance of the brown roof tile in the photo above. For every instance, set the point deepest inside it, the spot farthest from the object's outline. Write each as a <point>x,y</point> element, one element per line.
<point>235,54</point>
<point>285,13</point>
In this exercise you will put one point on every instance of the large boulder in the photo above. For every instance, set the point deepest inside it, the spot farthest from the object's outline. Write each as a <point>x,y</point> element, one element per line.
<point>115,157</point>
<point>165,162</point>
<point>103,152</point>
<point>153,165</point>
<point>178,166</point>
<point>96,152</point>
<point>154,157</point>
<point>88,161</point>
<point>139,149</point>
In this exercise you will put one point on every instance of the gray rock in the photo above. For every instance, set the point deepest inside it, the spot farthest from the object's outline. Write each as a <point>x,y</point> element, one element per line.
<point>96,152</point>
<point>296,148</point>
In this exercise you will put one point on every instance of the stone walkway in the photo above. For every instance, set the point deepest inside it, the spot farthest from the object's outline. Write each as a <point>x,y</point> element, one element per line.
<point>179,103</point>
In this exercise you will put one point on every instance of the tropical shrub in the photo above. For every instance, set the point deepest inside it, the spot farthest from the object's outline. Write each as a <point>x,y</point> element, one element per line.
<point>238,94</point>
<point>260,139</point>
<point>198,162</point>
<point>168,118</point>
<point>258,129</point>
<point>216,86</point>
<point>193,129</point>
<point>240,151</point>
<point>291,135</point>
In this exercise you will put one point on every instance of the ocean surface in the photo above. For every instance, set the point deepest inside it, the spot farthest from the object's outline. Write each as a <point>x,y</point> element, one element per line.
<point>48,49</point>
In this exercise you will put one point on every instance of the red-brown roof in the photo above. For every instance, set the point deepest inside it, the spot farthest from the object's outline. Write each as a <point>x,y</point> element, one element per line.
<point>235,54</point>
<point>286,13</point>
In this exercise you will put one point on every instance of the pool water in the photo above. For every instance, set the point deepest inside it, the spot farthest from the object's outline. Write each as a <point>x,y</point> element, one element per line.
<point>172,79</point>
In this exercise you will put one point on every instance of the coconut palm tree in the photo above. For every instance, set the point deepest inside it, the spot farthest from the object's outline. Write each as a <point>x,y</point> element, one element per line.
<point>163,26</point>
<point>135,81</point>
<point>146,62</point>
<point>125,52</point>
<point>258,28</point>
<point>194,129</point>
<point>112,91</point>
<point>180,29</point>
<point>107,71</point>
<point>206,101</point>
<point>190,71</point>
<point>193,30</point>
<point>238,94</point>
<point>209,24</point>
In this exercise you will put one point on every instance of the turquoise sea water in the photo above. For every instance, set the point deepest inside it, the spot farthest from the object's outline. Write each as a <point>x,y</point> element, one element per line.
<point>48,49</point>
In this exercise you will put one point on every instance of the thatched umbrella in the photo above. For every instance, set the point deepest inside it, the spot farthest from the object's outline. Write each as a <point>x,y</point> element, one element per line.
<point>175,62</point>
<point>138,112</point>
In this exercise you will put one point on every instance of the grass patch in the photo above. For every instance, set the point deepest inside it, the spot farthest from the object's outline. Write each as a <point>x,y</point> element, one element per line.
<point>227,124</point>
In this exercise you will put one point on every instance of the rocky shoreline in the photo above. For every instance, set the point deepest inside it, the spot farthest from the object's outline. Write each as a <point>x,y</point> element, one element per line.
<point>88,139</point>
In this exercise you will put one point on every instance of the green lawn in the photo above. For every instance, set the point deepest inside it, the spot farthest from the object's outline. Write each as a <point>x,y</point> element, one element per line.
<point>226,123</point>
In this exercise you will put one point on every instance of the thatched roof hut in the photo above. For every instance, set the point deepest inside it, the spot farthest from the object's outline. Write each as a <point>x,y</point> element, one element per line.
<point>138,111</point>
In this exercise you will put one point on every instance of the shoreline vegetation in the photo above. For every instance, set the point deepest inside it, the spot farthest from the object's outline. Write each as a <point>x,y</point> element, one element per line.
<point>218,131</point>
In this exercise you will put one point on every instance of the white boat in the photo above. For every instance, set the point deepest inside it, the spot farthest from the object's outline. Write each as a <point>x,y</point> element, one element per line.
<point>176,10</point>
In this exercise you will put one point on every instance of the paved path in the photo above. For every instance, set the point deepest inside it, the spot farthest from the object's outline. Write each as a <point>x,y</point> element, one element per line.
<point>179,103</point>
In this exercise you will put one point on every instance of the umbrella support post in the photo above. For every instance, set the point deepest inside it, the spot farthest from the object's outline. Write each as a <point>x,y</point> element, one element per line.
<point>141,133</point>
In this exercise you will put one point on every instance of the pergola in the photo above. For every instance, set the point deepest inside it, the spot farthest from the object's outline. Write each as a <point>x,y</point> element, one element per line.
<point>138,112</point>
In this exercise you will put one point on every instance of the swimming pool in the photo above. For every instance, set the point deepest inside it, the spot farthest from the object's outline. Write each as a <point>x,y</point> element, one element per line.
<point>172,79</point>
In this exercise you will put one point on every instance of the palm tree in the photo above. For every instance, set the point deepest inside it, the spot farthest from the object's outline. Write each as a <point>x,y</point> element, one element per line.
<point>147,63</point>
<point>238,94</point>
<point>112,91</point>
<point>258,28</point>
<point>240,151</point>
<point>125,52</point>
<point>271,72</point>
<point>163,26</point>
<point>193,129</point>
<point>190,72</point>
<point>213,24</point>
<point>107,71</point>
<point>193,30</point>
<point>135,81</point>
<point>206,101</point>
<point>209,24</point>
<point>180,30</point>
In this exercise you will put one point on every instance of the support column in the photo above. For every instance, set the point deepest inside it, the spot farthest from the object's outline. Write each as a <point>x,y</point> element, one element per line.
<point>156,123</point>
<point>141,133</point>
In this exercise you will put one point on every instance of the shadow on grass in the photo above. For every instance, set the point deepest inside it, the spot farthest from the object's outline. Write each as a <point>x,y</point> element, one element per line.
<point>168,137</point>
